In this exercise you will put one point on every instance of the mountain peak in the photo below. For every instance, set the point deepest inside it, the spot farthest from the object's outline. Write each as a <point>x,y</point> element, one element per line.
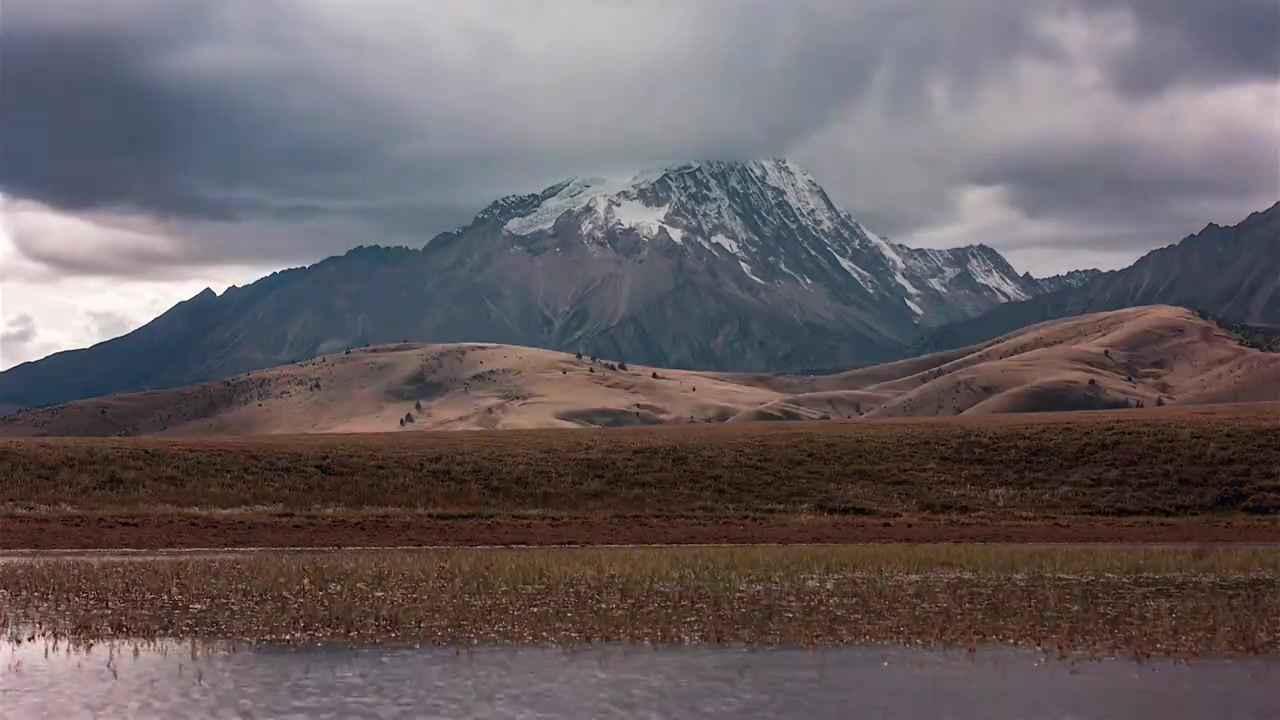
<point>764,222</point>
<point>641,200</point>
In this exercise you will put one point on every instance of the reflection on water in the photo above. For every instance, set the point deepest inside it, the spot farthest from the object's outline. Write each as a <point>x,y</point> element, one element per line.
<point>621,682</point>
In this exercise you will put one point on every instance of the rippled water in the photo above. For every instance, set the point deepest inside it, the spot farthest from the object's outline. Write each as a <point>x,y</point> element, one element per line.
<point>620,682</point>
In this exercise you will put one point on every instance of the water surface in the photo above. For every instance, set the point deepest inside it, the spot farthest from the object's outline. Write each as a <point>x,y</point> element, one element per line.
<point>620,682</point>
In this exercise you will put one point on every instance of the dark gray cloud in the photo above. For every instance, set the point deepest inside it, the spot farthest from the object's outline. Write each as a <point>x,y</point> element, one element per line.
<point>246,131</point>
<point>1193,41</point>
<point>1177,176</point>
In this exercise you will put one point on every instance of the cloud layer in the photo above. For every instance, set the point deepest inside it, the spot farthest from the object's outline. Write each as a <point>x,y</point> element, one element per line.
<point>171,136</point>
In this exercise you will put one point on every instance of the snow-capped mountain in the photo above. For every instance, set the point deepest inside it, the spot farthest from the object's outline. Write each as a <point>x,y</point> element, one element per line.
<point>710,265</point>
<point>771,220</point>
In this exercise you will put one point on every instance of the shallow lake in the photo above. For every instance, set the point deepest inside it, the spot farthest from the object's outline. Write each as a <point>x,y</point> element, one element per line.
<point>619,682</point>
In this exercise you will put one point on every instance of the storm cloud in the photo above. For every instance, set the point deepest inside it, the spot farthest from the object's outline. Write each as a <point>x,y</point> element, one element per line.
<point>171,134</point>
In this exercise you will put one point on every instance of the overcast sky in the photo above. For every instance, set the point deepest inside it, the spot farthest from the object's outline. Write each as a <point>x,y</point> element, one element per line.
<point>150,148</point>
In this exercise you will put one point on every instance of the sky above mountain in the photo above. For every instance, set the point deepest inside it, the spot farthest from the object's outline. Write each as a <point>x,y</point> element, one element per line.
<point>167,145</point>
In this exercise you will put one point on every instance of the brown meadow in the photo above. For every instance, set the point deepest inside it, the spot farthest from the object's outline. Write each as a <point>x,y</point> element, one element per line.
<point>1209,474</point>
<point>1150,463</point>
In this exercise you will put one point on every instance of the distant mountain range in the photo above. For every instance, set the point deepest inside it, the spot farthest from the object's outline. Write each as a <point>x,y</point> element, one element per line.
<point>1228,272</point>
<point>733,266</point>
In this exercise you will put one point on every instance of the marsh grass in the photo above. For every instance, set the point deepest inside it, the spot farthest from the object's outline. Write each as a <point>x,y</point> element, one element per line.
<point>1098,601</point>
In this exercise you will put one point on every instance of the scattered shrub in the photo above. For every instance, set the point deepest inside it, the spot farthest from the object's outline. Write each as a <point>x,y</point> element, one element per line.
<point>1250,336</point>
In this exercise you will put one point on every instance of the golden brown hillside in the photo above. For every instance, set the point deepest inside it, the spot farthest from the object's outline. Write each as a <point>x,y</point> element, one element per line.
<point>1149,356</point>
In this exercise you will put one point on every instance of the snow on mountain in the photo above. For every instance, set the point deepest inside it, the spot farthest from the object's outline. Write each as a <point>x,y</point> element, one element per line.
<point>776,226</point>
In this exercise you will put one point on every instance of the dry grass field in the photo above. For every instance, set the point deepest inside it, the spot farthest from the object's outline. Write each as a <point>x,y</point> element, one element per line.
<point>1130,602</point>
<point>1181,474</point>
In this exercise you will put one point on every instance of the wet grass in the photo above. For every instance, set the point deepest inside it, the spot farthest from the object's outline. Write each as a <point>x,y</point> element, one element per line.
<point>1102,601</point>
<point>1166,463</point>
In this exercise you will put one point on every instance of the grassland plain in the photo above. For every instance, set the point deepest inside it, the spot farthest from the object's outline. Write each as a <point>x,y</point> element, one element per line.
<point>1129,476</point>
<point>1095,601</point>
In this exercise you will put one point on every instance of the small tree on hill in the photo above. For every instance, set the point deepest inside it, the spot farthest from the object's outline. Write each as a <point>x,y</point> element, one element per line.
<point>418,406</point>
<point>654,375</point>
<point>1160,401</point>
<point>408,418</point>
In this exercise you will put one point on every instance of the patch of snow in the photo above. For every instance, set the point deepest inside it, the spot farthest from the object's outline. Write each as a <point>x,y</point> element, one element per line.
<point>646,220</point>
<point>987,274</point>
<point>747,269</point>
<point>805,281</point>
<point>914,307</point>
<point>714,212</point>
<point>902,280</point>
<point>634,213</point>
<point>727,243</point>
<point>891,255</point>
<point>577,194</point>
<point>940,283</point>
<point>607,202</point>
<point>801,191</point>
<point>862,276</point>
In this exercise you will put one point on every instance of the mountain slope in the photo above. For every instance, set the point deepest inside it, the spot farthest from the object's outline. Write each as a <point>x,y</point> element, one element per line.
<point>1150,355</point>
<point>1229,272</point>
<point>1071,279</point>
<point>715,265</point>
